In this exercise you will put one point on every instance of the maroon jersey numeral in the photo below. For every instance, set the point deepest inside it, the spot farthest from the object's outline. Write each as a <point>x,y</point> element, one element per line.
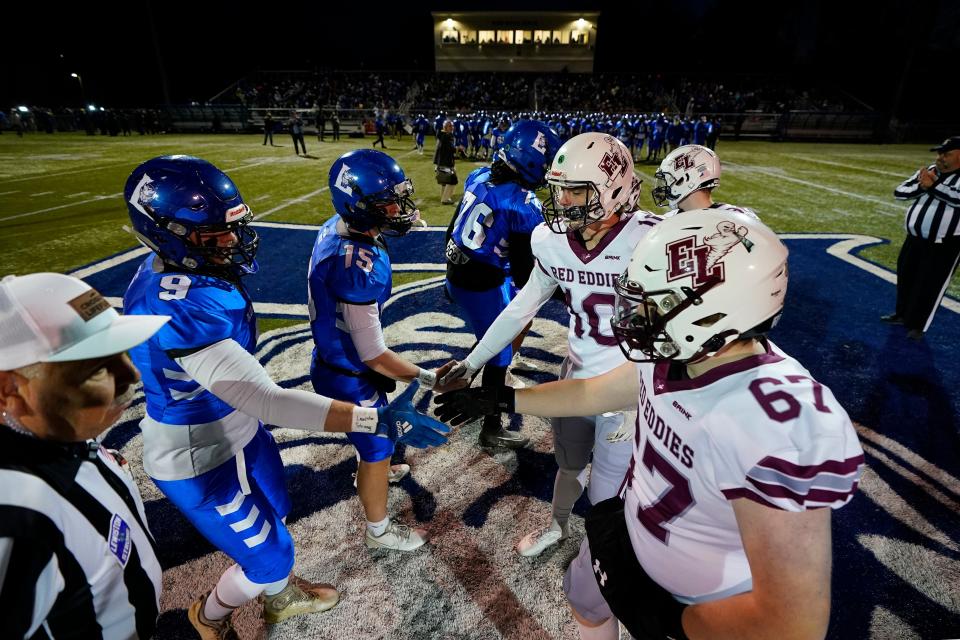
<point>672,503</point>
<point>780,405</point>
<point>590,304</point>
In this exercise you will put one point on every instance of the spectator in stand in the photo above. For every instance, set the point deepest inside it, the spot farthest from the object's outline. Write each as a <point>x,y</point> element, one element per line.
<point>335,123</point>
<point>714,133</point>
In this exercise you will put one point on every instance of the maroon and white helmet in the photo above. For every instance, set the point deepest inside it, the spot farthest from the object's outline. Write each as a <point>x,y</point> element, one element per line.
<point>602,167</point>
<point>685,169</point>
<point>697,282</point>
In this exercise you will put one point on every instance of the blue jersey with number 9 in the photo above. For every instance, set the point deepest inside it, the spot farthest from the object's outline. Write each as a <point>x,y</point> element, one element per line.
<point>344,268</point>
<point>203,310</point>
<point>489,213</point>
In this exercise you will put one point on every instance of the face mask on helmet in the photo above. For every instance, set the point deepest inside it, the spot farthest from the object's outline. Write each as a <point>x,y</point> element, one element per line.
<point>591,180</point>
<point>686,169</point>
<point>573,206</point>
<point>191,214</point>
<point>370,191</point>
<point>697,282</point>
<point>393,208</point>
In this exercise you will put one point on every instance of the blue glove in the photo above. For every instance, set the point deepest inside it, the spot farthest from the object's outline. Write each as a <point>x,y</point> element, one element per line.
<point>400,422</point>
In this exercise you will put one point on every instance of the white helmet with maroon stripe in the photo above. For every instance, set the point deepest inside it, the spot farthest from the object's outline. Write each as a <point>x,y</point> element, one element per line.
<point>591,179</point>
<point>697,282</point>
<point>685,169</point>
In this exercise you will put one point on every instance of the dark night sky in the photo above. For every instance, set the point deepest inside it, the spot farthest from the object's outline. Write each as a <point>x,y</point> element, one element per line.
<point>862,48</point>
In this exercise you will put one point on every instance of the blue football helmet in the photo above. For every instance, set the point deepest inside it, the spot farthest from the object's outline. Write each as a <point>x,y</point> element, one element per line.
<point>178,205</point>
<point>365,185</point>
<point>528,149</point>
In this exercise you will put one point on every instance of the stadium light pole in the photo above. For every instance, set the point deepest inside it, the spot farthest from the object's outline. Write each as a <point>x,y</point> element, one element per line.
<point>80,80</point>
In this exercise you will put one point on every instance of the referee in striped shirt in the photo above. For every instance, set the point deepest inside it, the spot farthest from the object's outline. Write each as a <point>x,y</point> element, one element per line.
<point>931,249</point>
<point>76,557</point>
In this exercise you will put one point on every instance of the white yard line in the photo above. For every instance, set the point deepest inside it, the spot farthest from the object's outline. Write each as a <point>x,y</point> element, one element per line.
<point>41,193</point>
<point>247,166</point>
<point>263,197</point>
<point>813,185</point>
<point>77,195</point>
<point>854,167</point>
<point>62,206</point>
<point>287,203</point>
<point>7,193</point>
<point>110,262</point>
<point>64,173</point>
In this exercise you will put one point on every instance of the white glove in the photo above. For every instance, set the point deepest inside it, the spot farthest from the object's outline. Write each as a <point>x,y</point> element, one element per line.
<point>460,370</point>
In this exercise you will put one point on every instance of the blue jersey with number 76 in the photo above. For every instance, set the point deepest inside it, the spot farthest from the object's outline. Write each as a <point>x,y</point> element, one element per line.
<point>489,213</point>
<point>203,310</point>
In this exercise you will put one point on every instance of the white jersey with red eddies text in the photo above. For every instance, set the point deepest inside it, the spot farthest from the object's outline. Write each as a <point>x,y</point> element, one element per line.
<point>586,277</point>
<point>759,428</point>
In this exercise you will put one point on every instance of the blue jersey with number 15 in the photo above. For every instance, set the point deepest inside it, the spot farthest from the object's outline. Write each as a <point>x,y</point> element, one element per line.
<point>203,310</point>
<point>345,268</point>
<point>489,213</point>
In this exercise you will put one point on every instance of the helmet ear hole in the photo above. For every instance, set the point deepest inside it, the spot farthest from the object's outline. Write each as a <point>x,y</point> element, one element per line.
<point>709,321</point>
<point>616,192</point>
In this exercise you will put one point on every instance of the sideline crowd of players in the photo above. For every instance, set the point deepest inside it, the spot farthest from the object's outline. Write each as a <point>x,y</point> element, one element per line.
<point>716,460</point>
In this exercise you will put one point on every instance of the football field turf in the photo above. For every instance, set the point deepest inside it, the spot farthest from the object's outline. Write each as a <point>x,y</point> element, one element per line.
<point>896,545</point>
<point>61,202</point>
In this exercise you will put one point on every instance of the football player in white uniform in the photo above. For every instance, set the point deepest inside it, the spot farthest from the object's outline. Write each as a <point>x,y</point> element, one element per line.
<point>686,179</point>
<point>585,245</point>
<point>722,527</point>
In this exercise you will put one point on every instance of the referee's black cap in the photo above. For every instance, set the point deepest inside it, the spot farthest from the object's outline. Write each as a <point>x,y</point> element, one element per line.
<point>948,145</point>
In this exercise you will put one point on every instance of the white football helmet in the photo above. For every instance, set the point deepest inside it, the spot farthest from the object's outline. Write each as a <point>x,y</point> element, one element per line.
<point>685,169</point>
<point>599,165</point>
<point>697,282</point>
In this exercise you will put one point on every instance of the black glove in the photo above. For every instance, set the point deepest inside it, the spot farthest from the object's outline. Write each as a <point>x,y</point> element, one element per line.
<point>463,405</point>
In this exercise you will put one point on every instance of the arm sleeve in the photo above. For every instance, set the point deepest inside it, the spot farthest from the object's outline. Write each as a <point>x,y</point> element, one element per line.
<point>30,581</point>
<point>363,323</point>
<point>910,188</point>
<point>236,377</point>
<point>514,318</point>
<point>946,192</point>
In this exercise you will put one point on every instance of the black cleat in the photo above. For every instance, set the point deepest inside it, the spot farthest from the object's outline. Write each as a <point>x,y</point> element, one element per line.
<point>892,318</point>
<point>915,335</point>
<point>502,439</point>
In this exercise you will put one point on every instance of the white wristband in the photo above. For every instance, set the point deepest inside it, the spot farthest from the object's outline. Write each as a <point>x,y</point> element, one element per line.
<point>428,379</point>
<point>364,420</point>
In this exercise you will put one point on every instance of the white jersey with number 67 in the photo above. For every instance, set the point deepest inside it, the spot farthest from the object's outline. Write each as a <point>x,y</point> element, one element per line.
<point>760,428</point>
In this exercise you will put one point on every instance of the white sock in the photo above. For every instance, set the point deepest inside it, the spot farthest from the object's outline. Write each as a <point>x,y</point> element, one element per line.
<point>274,588</point>
<point>377,528</point>
<point>232,590</point>
<point>609,630</point>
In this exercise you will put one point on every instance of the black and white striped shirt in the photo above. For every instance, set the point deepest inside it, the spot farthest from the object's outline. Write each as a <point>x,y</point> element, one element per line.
<point>76,557</point>
<point>935,213</point>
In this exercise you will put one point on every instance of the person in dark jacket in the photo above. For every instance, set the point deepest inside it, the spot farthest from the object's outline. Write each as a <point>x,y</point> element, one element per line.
<point>443,160</point>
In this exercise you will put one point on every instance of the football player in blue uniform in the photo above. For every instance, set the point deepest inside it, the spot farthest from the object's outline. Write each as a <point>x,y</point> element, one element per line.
<point>207,396</point>
<point>420,127</point>
<point>349,279</point>
<point>491,234</point>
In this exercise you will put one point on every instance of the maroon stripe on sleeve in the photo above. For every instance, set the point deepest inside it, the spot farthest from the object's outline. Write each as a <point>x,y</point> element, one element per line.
<point>814,495</point>
<point>542,268</point>
<point>839,467</point>
<point>733,494</point>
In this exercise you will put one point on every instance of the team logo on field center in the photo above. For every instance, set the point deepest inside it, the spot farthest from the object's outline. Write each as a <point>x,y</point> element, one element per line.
<point>702,262</point>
